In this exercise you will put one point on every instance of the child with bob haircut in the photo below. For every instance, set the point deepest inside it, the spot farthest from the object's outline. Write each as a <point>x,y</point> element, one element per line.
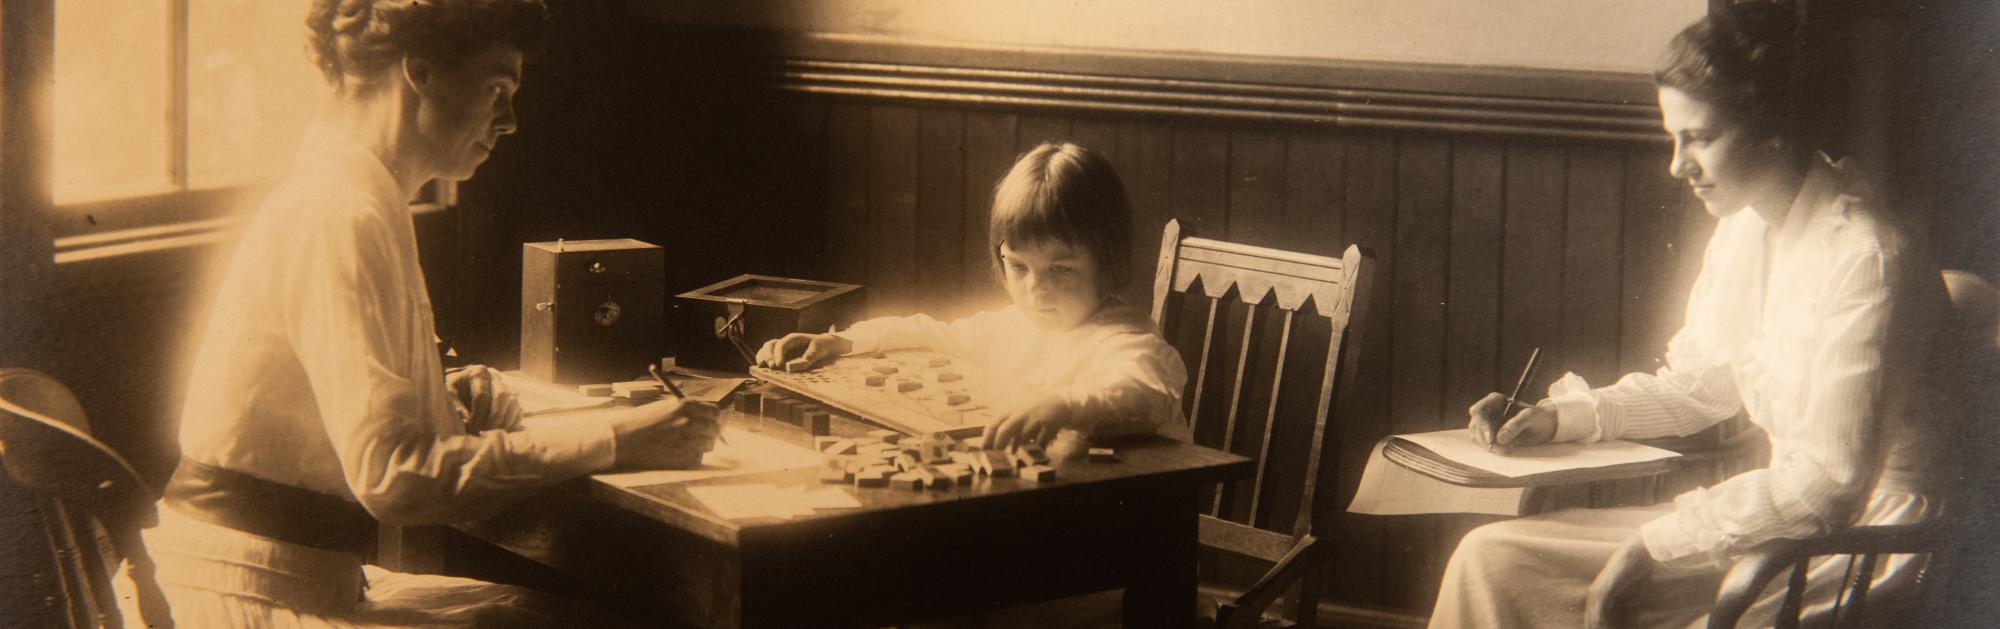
<point>1060,236</point>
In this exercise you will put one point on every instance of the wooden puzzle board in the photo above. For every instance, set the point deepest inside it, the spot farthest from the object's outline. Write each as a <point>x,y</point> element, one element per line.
<point>937,379</point>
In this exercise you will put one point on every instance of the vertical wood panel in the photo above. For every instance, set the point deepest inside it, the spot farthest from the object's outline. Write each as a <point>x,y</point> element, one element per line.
<point>941,210</point>
<point>1369,219</point>
<point>1532,264</point>
<point>847,195</point>
<point>1478,195</point>
<point>1200,180</point>
<point>1591,271</point>
<point>893,138</point>
<point>1423,263</point>
<point>1145,162</point>
<point>1036,129</point>
<point>1256,187</point>
<point>989,152</point>
<point>1312,211</point>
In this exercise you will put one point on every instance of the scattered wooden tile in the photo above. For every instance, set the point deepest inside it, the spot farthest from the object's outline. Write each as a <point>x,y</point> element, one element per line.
<point>905,462</point>
<point>886,436</point>
<point>818,422</point>
<point>1033,453</point>
<point>959,474</point>
<point>907,386</point>
<point>995,465</point>
<point>940,361</point>
<point>830,476</point>
<point>949,376</point>
<point>839,445</point>
<point>797,365</point>
<point>872,477</point>
<point>886,369</point>
<point>908,480</point>
<point>1038,473</point>
<point>595,390</point>
<point>1103,455</point>
<point>956,399</point>
<point>875,381</point>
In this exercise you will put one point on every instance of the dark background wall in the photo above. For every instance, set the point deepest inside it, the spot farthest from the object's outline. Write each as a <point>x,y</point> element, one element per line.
<point>1506,209</point>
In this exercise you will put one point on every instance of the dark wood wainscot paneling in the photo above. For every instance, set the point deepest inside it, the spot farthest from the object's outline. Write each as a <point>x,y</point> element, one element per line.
<point>1506,209</point>
<point>1499,223</point>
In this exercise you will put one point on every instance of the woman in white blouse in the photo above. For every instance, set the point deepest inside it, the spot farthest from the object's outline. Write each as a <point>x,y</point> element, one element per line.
<point>318,405</point>
<point>1800,318</point>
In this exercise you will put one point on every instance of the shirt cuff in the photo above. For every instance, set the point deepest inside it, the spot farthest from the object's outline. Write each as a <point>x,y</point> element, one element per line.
<point>1576,410</point>
<point>1669,539</point>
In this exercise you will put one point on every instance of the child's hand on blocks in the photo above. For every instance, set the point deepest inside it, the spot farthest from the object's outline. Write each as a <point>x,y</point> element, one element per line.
<point>1036,423</point>
<point>668,434</point>
<point>812,348</point>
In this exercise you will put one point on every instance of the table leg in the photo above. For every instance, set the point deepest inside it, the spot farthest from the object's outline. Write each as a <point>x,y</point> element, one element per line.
<point>1164,592</point>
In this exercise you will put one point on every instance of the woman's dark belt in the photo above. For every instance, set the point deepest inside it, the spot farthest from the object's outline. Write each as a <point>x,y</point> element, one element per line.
<point>236,500</point>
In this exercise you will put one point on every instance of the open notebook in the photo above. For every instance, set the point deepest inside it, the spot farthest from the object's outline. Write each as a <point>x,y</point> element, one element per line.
<point>1445,472</point>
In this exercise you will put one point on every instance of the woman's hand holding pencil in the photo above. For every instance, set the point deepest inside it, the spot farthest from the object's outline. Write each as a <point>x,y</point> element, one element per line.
<point>1501,422</point>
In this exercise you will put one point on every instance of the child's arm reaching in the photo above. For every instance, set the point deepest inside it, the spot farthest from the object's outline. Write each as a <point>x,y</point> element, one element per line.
<point>1132,386</point>
<point>958,338</point>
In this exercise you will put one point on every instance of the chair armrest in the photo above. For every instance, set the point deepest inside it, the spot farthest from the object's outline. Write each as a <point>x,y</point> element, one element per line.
<point>1245,611</point>
<point>1752,572</point>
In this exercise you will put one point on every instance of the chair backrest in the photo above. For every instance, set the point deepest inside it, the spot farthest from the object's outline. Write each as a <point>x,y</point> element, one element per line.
<point>91,502</point>
<point>1266,335</point>
<point>1957,584</point>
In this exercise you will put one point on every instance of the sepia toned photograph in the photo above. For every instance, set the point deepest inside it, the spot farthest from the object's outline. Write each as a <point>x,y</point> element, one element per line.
<point>960,314</point>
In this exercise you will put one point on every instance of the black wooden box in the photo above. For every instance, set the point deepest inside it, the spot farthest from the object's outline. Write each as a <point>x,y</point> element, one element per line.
<point>592,311</point>
<point>757,308</point>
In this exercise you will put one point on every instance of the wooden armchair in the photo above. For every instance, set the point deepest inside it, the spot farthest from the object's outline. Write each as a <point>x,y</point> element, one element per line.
<point>1973,355</point>
<point>1249,392</point>
<point>89,500</point>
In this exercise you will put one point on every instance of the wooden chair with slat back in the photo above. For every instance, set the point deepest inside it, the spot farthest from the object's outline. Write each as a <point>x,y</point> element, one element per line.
<point>1256,396</point>
<point>1971,356</point>
<point>91,502</point>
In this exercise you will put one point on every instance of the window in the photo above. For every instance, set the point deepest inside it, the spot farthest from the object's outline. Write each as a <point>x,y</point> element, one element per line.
<point>172,95</point>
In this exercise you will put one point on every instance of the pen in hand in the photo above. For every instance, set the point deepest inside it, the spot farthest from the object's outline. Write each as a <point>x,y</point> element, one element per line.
<point>1507,410</point>
<point>676,392</point>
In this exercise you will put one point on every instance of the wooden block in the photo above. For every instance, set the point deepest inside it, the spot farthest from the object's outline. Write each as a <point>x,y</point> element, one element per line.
<point>939,361</point>
<point>959,474</point>
<point>949,376</point>
<point>634,385</point>
<point>974,444</point>
<point>780,409</point>
<point>872,477</point>
<point>638,395</point>
<point>797,365</point>
<point>909,480</point>
<point>1032,453</point>
<point>838,446</point>
<point>956,399</point>
<point>875,381</point>
<point>886,436</point>
<point>1038,473</point>
<point>886,369</point>
<point>818,422</point>
<point>1103,455</point>
<point>995,465</point>
<point>595,390</point>
<point>941,481</point>
<point>748,402</point>
<point>831,476</point>
<point>905,462</point>
<point>908,386</point>
<point>962,458</point>
<point>878,449</point>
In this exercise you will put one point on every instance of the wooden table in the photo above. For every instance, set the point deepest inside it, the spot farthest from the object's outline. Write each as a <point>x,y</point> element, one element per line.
<point>905,556</point>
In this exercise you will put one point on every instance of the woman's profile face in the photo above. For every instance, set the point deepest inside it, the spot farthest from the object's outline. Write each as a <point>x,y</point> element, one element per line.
<point>1729,166</point>
<point>465,109</point>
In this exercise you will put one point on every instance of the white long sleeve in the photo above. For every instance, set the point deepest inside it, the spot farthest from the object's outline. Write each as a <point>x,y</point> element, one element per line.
<point>1112,368</point>
<point>1799,347</point>
<point>318,367</point>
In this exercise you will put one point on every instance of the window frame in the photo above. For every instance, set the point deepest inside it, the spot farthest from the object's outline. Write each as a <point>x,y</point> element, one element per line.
<point>179,216</point>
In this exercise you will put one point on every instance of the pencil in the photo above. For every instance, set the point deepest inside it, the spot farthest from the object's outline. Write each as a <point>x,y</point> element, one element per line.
<point>1507,411</point>
<point>676,391</point>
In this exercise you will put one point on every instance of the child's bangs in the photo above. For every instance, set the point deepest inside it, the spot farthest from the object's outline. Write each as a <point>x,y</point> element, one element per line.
<point>1035,215</point>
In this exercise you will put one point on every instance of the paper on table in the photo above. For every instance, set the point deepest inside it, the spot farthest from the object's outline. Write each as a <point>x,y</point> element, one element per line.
<point>541,398</point>
<point>738,452</point>
<point>1390,489</point>
<point>1455,445</point>
<point>763,500</point>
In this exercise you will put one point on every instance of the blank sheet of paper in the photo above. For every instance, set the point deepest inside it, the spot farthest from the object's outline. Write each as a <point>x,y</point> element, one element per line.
<point>738,452</point>
<point>1456,445</point>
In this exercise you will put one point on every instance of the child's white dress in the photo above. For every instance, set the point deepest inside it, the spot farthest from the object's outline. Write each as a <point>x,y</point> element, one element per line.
<point>1124,376</point>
